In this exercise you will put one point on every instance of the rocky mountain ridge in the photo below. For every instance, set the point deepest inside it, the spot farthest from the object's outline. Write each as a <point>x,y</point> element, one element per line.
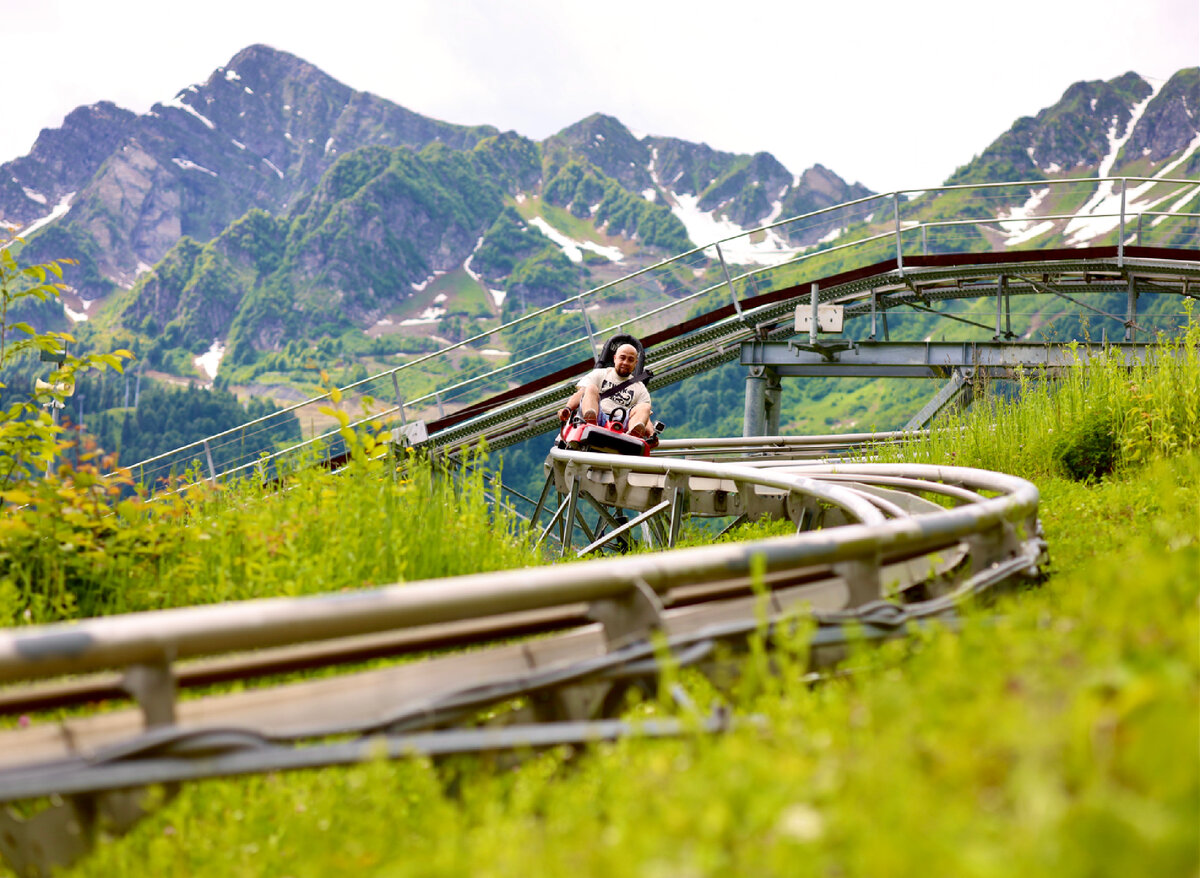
<point>1124,126</point>
<point>259,133</point>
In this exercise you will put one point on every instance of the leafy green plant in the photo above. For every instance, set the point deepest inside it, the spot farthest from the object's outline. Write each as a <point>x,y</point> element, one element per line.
<point>1088,450</point>
<point>29,435</point>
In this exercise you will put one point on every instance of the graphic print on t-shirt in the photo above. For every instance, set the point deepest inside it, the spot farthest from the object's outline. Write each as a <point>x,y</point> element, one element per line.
<point>615,406</point>
<point>623,398</point>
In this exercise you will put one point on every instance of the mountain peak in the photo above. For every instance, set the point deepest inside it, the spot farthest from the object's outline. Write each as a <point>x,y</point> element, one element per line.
<point>261,55</point>
<point>1082,130</point>
<point>605,142</point>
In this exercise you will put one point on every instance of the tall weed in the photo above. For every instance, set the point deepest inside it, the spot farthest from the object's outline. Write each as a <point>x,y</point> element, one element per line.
<point>314,533</point>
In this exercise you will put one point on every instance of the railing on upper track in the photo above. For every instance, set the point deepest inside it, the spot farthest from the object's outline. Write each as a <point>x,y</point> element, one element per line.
<point>953,219</point>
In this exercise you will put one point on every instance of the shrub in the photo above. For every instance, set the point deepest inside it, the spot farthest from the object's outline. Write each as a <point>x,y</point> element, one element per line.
<point>1089,450</point>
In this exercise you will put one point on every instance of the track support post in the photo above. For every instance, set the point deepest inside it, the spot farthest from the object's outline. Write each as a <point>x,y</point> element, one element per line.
<point>755,415</point>
<point>863,580</point>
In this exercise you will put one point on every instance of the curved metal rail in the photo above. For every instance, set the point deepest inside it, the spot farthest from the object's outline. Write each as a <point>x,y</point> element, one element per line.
<point>898,559</point>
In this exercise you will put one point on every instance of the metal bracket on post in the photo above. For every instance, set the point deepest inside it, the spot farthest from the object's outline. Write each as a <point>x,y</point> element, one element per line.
<point>152,686</point>
<point>410,435</point>
<point>437,395</point>
<point>991,546</point>
<point>633,616</point>
<point>676,486</point>
<point>737,306</point>
<point>1131,310</point>
<point>63,833</point>
<point>863,581</point>
<point>54,838</point>
<point>801,510</point>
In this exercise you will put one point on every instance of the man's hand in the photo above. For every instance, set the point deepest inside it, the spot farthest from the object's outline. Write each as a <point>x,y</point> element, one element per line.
<point>564,415</point>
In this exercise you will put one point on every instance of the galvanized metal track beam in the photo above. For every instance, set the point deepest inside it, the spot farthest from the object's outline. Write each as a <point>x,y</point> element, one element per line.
<point>930,359</point>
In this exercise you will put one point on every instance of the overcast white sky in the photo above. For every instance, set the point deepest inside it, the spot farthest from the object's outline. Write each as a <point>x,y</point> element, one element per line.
<point>892,93</point>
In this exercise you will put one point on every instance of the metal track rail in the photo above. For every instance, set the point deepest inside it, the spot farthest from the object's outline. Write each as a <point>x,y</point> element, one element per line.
<point>897,559</point>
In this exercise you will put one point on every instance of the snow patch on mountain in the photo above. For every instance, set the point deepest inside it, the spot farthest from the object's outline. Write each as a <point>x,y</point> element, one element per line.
<point>1177,205</point>
<point>572,248</point>
<point>497,295</point>
<point>209,362</point>
<point>59,210</point>
<point>736,243</point>
<point>1100,215</point>
<point>429,315</point>
<point>189,165</point>
<point>77,316</point>
<point>178,104</point>
<point>418,287</point>
<point>1019,226</point>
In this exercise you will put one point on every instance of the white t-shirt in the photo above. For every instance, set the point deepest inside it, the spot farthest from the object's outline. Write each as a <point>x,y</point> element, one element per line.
<point>624,399</point>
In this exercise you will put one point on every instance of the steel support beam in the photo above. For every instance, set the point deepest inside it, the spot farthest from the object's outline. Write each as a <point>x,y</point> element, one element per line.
<point>957,388</point>
<point>754,420</point>
<point>913,360</point>
<point>773,401</point>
